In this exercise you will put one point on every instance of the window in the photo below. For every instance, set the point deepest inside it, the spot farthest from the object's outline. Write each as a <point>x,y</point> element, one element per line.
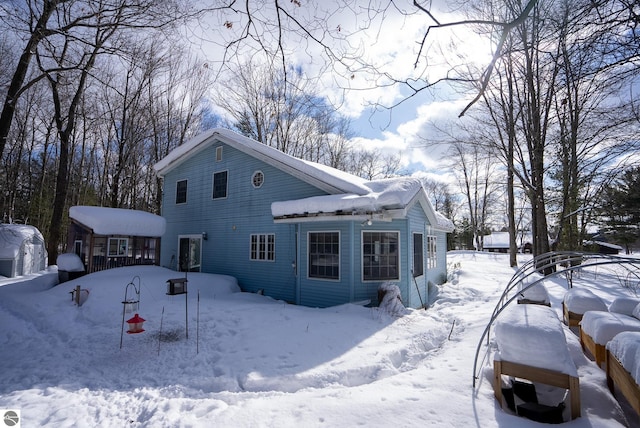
<point>380,258</point>
<point>181,192</point>
<point>432,259</point>
<point>257,179</point>
<point>218,154</point>
<point>118,247</point>
<point>418,255</point>
<point>263,247</point>
<point>220,185</point>
<point>324,255</point>
<point>77,247</point>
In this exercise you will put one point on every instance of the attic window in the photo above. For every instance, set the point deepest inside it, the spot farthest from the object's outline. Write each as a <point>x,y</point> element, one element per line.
<point>257,179</point>
<point>218,154</point>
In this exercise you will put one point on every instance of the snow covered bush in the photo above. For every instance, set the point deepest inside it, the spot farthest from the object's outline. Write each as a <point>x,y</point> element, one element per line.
<point>390,299</point>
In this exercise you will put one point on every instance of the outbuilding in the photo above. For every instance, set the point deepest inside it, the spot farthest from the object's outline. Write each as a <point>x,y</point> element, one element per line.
<point>106,238</point>
<point>22,250</point>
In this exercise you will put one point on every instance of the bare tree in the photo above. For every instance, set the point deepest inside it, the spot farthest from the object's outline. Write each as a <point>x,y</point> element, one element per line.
<point>475,172</point>
<point>52,19</point>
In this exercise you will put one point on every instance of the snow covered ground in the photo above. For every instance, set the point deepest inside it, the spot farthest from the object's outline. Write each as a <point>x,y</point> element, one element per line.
<point>251,361</point>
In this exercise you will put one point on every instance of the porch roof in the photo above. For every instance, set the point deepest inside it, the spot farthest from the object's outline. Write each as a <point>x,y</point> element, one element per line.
<point>118,221</point>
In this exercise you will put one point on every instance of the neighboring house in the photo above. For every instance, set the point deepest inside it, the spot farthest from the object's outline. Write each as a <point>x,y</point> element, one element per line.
<point>297,230</point>
<point>22,250</point>
<point>113,237</point>
<point>601,247</point>
<point>498,242</point>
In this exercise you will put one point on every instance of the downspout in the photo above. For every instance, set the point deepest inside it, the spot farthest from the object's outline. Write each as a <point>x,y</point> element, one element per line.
<point>427,229</point>
<point>296,270</point>
<point>352,245</point>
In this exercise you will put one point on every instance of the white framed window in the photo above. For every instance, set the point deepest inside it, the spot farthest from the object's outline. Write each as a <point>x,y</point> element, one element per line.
<point>257,179</point>
<point>380,256</point>
<point>118,247</point>
<point>324,255</point>
<point>262,246</point>
<point>218,153</point>
<point>432,253</point>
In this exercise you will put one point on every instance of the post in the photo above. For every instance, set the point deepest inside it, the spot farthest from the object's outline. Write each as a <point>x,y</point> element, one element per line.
<point>186,308</point>
<point>77,296</point>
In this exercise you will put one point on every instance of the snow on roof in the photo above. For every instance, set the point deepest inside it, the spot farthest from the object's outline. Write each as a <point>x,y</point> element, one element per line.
<point>604,244</point>
<point>348,192</point>
<point>118,221</point>
<point>389,193</point>
<point>342,182</point>
<point>501,240</point>
<point>13,235</point>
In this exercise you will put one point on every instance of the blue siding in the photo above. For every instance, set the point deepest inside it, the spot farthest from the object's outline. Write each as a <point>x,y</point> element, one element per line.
<point>229,222</point>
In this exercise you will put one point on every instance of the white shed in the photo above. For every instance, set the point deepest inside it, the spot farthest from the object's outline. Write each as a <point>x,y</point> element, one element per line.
<point>22,250</point>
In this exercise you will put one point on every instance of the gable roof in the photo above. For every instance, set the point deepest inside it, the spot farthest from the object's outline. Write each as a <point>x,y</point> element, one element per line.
<point>347,194</point>
<point>329,179</point>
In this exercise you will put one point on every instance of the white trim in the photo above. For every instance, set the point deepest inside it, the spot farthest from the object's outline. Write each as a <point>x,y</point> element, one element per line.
<point>266,251</point>
<point>397,232</point>
<point>253,177</point>
<point>126,247</point>
<point>313,278</point>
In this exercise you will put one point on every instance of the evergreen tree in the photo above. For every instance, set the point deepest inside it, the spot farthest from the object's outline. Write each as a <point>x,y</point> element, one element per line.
<point>621,209</point>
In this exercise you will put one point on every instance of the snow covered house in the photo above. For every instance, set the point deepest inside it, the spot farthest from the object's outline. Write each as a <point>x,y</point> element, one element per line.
<point>498,242</point>
<point>22,250</point>
<point>297,230</point>
<point>105,238</point>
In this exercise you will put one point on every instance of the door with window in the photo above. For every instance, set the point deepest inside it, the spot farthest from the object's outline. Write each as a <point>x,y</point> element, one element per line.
<point>190,253</point>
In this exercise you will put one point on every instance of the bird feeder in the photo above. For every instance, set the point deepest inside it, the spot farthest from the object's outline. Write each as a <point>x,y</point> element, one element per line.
<point>131,304</point>
<point>176,286</point>
<point>135,324</point>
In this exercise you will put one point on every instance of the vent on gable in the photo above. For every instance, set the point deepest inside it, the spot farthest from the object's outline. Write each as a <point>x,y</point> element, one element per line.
<point>218,154</point>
